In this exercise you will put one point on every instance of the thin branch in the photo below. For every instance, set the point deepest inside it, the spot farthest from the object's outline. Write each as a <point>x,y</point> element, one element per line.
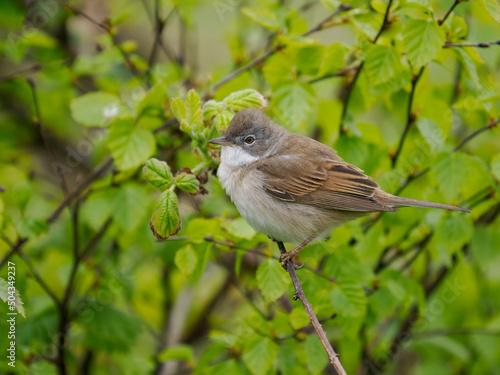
<point>32,69</point>
<point>299,293</point>
<point>456,331</point>
<point>342,72</point>
<point>14,248</point>
<point>440,22</point>
<point>384,23</point>
<point>477,45</point>
<point>410,118</point>
<point>491,125</point>
<point>322,25</point>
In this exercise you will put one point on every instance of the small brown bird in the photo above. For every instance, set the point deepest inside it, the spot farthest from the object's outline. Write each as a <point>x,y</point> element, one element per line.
<point>293,188</point>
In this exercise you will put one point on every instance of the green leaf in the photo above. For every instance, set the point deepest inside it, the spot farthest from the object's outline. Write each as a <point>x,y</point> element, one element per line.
<point>10,295</point>
<point>129,145</point>
<point>263,17</point>
<point>382,64</point>
<point>453,231</point>
<point>295,100</point>
<point>187,182</point>
<point>299,318</point>
<point>460,175</point>
<point>240,228</point>
<point>495,166</point>
<point>186,259</point>
<point>180,352</point>
<point>492,7</point>
<point>333,59</point>
<point>95,108</point>
<point>348,298</point>
<point>432,133</point>
<point>259,354</point>
<point>193,107</point>
<point>309,59</point>
<point>470,59</point>
<point>222,121</point>
<point>166,220</point>
<point>245,99</point>
<point>158,174</point>
<point>317,359</point>
<point>107,328</point>
<point>212,108</point>
<point>180,112</point>
<point>423,40</point>
<point>272,280</point>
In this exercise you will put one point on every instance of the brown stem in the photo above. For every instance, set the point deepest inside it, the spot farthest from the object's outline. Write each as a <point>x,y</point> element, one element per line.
<point>299,293</point>
<point>440,22</point>
<point>470,137</point>
<point>478,45</point>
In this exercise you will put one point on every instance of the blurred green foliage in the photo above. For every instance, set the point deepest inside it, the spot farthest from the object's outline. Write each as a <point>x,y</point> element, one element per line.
<point>102,137</point>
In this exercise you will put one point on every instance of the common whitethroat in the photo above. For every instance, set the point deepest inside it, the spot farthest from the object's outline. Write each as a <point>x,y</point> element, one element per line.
<point>293,188</point>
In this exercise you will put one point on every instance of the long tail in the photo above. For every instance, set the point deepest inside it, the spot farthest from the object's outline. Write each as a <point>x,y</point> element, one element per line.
<point>404,202</point>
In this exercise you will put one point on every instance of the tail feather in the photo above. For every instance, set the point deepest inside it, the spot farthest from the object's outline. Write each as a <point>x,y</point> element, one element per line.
<point>404,202</point>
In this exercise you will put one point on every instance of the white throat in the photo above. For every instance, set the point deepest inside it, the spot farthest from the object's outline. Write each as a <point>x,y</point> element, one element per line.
<point>235,157</point>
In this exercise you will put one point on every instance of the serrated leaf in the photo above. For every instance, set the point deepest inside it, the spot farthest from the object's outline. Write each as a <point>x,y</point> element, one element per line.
<point>245,99</point>
<point>459,174</point>
<point>310,58</point>
<point>187,182</point>
<point>423,40</point>
<point>272,280</point>
<point>129,145</point>
<point>295,101</point>
<point>212,108</point>
<point>179,109</point>
<point>317,359</point>
<point>263,17</point>
<point>158,174</point>
<point>258,355</point>
<point>470,59</point>
<point>193,107</point>
<point>382,63</point>
<point>333,59</point>
<point>492,7</point>
<point>95,108</point>
<point>432,133</point>
<point>180,352</point>
<point>186,259</point>
<point>453,231</point>
<point>166,219</point>
<point>222,121</point>
<point>348,298</point>
<point>11,296</point>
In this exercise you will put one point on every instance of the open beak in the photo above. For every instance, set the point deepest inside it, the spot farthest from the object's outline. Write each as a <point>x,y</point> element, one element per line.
<point>220,141</point>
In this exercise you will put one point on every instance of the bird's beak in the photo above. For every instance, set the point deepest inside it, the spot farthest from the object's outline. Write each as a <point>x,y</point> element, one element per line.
<point>220,141</point>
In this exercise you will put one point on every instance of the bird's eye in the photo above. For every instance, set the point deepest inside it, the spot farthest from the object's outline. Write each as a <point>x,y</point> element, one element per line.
<point>249,139</point>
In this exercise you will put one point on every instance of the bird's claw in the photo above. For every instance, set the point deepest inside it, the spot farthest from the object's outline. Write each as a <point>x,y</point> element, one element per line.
<point>284,258</point>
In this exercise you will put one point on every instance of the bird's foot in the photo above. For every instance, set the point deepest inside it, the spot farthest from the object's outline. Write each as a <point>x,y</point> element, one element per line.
<point>284,258</point>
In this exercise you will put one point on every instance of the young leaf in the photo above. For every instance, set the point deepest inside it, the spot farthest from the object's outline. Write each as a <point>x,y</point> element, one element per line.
<point>315,354</point>
<point>348,298</point>
<point>272,279</point>
<point>453,231</point>
<point>212,108</point>
<point>295,101</point>
<point>180,112</point>
<point>129,145</point>
<point>245,99</point>
<point>6,295</point>
<point>495,166</point>
<point>166,220</point>
<point>423,40</point>
<point>186,259</point>
<point>158,174</point>
<point>492,7</point>
<point>259,354</point>
<point>382,63</point>
<point>263,17</point>
<point>187,182</point>
<point>193,106</point>
<point>222,121</point>
<point>95,108</point>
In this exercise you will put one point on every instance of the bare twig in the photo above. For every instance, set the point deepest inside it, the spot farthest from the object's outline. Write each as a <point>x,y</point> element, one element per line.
<point>440,22</point>
<point>410,117</point>
<point>32,69</point>
<point>491,125</point>
<point>14,248</point>
<point>299,294</point>
<point>342,72</point>
<point>384,23</point>
<point>477,45</point>
<point>259,60</point>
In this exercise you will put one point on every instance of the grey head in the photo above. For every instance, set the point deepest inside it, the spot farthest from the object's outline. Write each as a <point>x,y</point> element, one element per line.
<point>254,132</point>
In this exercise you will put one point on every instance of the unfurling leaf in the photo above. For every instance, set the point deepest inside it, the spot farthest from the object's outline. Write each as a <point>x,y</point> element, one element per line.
<point>130,145</point>
<point>212,108</point>
<point>245,99</point>
<point>179,109</point>
<point>158,174</point>
<point>187,182</point>
<point>193,106</point>
<point>166,220</point>
<point>222,121</point>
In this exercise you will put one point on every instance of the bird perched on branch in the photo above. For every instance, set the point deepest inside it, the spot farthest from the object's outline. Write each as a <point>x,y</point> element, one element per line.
<point>293,188</point>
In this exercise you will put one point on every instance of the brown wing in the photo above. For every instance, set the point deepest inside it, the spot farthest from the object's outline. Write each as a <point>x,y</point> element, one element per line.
<point>331,184</point>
